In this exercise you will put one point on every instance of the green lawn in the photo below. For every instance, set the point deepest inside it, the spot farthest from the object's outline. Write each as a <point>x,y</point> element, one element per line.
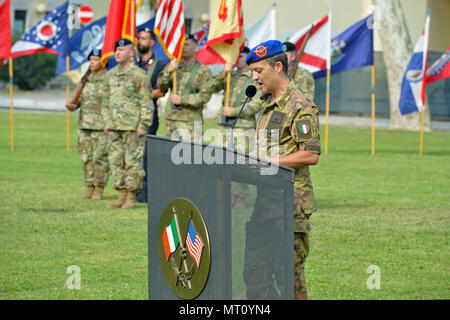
<point>391,210</point>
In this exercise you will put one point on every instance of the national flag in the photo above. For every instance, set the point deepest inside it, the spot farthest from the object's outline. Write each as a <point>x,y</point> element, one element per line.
<point>49,35</point>
<point>194,244</point>
<point>440,69</point>
<point>261,30</point>
<point>352,49</point>
<point>5,32</point>
<point>120,24</point>
<point>169,27</point>
<point>90,38</point>
<point>170,238</point>
<point>316,52</point>
<point>226,33</point>
<point>304,127</point>
<point>412,95</point>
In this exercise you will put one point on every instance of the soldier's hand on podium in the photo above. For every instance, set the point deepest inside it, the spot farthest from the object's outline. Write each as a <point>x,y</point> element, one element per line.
<point>173,65</point>
<point>176,99</point>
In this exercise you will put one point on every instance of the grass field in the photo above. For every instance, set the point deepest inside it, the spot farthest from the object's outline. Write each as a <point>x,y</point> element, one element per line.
<point>391,210</point>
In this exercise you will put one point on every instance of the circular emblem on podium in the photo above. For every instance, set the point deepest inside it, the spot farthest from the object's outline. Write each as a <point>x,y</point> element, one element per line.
<point>184,248</point>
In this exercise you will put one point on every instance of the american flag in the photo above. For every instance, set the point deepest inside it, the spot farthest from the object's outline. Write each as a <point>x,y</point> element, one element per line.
<point>169,27</point>
<point>49,35</point>
<point>194,243</point>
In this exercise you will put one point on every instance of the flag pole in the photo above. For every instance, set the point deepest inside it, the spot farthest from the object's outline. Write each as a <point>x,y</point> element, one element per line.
<point>68,101</point>
<point>327,102</point>
<point>227,100</point>
<point>11,103</point>
<point>373,109</point>
<point>425,57</point>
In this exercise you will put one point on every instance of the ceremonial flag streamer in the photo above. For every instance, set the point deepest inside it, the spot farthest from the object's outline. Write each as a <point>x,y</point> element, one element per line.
<point>194,244</point>
<point>170,238</point>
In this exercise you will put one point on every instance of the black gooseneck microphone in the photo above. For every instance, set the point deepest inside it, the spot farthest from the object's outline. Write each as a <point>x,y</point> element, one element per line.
<point>250,92</point>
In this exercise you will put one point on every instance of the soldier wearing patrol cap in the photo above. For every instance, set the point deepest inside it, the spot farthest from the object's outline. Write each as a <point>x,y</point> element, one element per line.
<point>245,126</point>
<point>92,141</point>
<point>289,122</point>
<point>127,112</point>
<point>184,110</point>
<point>303,79</point>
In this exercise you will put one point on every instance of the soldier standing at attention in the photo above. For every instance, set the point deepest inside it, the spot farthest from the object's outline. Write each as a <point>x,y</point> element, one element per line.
<point>303,80</point>
<point>152,66</point>
<point>127,112</point>
<point>192,92</point>
<point>92,141</point>
<point>245,126</point>
<point>295,120</point>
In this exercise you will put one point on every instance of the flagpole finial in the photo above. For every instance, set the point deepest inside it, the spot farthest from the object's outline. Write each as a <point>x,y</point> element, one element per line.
<point>274,4</point>
<point>330,6</point>
<point>428,11</point>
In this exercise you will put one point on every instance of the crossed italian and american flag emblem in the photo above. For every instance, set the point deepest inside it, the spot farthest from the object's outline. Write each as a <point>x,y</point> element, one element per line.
<point>194,242</point>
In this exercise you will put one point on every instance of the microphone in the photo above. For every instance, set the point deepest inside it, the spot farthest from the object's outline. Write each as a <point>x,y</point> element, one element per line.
<point>250,92</point>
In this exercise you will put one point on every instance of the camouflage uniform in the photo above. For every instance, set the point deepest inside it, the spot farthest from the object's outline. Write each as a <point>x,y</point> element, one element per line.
<point>304,81</point>
<point>244,129</point>
<point>127,106</point>
<point>194,96</point>
<point>247,121</point>
<point>92,142</point>
<point>296,119</point>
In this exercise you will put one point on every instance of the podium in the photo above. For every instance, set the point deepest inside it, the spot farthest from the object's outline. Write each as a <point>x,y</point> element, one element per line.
<point>220,224</point>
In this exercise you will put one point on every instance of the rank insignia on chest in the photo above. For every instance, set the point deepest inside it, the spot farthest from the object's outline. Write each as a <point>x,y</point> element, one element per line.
<point>304,129</point>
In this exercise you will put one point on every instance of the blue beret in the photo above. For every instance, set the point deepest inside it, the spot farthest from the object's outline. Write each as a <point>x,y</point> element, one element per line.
<point>265,50</point>
<point>122,43</point>
<point>95,53</point>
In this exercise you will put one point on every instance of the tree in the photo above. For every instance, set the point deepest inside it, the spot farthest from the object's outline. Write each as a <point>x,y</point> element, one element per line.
<point>397,51</point>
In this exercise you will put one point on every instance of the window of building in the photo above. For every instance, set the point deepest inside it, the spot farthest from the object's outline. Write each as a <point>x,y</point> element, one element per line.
<point>19,21</point>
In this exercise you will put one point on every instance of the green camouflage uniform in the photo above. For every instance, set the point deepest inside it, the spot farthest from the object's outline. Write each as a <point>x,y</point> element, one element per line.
<point>127,106</point>
<point>92,142</point>
<point>296,120</point>
<point>304,81</point>
<point>194,97</point>
<point>247,122</point>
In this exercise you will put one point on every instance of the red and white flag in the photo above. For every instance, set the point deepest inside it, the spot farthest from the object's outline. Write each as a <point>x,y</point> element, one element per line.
<point>169,27</point>
<point>317,51</point>
<point>440,69</point>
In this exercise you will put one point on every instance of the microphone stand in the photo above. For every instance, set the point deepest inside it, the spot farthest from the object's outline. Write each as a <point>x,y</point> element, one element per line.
<point>231,141</point>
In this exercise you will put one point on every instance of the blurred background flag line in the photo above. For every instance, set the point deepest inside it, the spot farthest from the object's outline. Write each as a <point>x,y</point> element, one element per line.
<point>91,37</point>
<point>261,30</point>
<point>50,35</point>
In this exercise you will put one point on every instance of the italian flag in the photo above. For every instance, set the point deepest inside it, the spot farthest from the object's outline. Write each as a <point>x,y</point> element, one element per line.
<point>170,238</point>
<point>304,128</point>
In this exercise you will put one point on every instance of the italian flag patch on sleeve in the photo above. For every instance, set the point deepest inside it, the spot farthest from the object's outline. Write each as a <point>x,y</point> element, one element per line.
<point>304,129</point>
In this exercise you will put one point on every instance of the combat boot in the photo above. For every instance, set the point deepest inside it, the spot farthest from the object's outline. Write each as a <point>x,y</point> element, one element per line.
<point>120,199</point>
<point>130,201</point>
<point>98,193</point>
<point>88,194</point>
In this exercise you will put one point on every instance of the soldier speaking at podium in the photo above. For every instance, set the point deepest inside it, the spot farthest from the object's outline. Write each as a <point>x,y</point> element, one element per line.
<point>292,117</point>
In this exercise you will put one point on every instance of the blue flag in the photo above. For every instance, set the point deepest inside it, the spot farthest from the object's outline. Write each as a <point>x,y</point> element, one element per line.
<point>81,44</point>
<point>352,49</point>
<point>50,34</point>
<point>91,37</point>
